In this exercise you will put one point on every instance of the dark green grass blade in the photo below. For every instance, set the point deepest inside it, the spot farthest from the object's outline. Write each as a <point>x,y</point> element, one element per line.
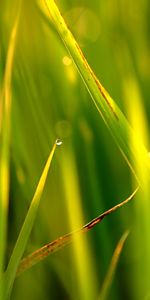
<point>110,112</point>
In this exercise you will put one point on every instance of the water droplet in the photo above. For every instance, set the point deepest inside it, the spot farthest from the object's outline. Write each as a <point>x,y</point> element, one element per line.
<point>59,142</point>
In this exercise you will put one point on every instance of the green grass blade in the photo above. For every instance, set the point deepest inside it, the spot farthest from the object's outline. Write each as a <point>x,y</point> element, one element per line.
<point>26,228</point>
<point>112,268</point>
<point>62,241</point>
<point>110,112</point>
<point>5,127</point>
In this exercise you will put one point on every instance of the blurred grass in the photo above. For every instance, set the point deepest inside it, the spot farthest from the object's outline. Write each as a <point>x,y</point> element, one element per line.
<point>50,100</point>
<point>5,137</point>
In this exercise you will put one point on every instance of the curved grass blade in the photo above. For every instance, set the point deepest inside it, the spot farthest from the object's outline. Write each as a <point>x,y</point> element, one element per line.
<point>26,228</point>
<point>64,240</point>
<point>110,112</point>
<point>5,128</point>
<point>112,268</point>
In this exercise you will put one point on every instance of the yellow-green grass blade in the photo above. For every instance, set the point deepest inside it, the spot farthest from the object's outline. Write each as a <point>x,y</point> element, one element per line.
<point>26,228</point>
<point>110,112</point>
<point>5,128</point>
<point>66,239</point>
<point>112,268</point>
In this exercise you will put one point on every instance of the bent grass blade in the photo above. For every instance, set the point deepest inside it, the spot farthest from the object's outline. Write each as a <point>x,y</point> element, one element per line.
<point>110,112</point>
<point>62,241</point>
<point>5,128</point>
<point>26,228</point>
<point>112,268</point>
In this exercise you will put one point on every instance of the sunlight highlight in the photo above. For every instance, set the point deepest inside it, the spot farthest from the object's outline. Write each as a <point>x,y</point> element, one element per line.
<point>70,70</point>
<point>137,118</point>
<point>85,276</point>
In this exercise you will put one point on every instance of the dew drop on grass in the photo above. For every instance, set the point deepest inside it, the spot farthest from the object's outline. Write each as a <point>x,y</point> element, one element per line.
<point>59,142</point>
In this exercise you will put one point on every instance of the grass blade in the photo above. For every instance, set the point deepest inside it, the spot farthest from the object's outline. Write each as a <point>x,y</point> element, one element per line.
<point>26,228</point>
<point>5,127</point>
<point>62,241</point>
<point>111,114</point>
<point>112,268</point>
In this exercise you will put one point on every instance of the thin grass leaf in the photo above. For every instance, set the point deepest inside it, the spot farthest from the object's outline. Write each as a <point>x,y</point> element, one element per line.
<point>64,240</point>
<point>112,268</point>
<point>110,112</point>
<point>26,228</point>
<point>5,128</point>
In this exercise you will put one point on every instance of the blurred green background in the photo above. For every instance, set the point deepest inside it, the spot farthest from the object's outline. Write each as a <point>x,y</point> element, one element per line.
<point>88,173</point>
